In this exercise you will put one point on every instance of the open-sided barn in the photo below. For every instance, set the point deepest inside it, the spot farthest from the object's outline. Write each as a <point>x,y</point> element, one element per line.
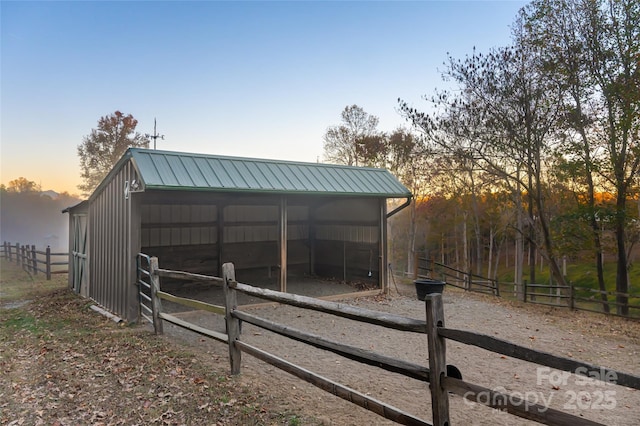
<point>196,212</point>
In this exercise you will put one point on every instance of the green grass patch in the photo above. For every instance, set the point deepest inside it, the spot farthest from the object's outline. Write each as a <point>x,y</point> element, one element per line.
<point>581,275</point>
<point>16,320</point>
<point>16,284</point>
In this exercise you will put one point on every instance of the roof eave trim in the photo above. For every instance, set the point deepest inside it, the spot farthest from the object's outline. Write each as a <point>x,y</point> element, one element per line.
<point>276,191</point>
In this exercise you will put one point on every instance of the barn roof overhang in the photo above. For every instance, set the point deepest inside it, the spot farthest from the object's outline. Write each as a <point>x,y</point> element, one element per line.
<point>181,171</point>
<point>80,207</point>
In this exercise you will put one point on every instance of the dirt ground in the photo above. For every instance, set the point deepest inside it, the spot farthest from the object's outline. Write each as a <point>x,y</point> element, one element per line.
<point>593,338</point>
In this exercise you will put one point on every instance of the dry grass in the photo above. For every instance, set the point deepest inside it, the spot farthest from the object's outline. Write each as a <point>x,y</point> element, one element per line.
<point>63,364</point>
<point>17,285</point>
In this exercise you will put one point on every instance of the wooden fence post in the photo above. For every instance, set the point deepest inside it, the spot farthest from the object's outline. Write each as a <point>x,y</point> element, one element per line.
<point>23,254</point>
<point>18,254</point>
<point>34,260</point>
<point>437,360</point>
<point>4,250</point>
<point>26,260</point>
<point>432,271</point>
<point>48,262</point>
<point>27,257</point>
<point>524,290</point>
<point>233,324</point>
<point>571,296</point>
<point>156,304</point>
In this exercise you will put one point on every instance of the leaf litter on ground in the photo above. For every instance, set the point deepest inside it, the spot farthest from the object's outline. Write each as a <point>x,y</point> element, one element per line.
<point>61,363</point>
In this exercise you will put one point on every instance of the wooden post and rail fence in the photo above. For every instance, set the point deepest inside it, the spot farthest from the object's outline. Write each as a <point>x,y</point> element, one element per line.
<point>567,296</point>
<point>442,378</point>
<point>33,260</point>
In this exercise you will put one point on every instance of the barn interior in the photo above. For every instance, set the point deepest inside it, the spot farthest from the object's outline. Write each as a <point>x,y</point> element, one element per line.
<point>310,245</point>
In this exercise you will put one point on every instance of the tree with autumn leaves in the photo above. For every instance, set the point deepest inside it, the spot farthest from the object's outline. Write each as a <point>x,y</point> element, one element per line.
<point>103,147</point>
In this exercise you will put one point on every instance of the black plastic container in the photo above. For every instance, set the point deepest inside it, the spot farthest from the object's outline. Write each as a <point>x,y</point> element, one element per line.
<point>426,286</point>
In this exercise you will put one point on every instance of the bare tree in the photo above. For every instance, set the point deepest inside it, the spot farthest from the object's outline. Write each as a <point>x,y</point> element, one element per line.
<point>501,119</point>
<point>407,159</point>
<point>351,142</point>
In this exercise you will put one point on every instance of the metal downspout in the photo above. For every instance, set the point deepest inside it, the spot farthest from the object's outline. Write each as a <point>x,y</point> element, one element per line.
<point>401,207</point>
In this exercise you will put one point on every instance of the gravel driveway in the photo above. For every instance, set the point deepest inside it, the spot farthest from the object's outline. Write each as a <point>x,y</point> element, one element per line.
<point>593,338</point>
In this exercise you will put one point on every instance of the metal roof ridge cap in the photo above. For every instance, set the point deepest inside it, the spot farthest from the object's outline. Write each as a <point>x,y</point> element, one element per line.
<point>263,160</point>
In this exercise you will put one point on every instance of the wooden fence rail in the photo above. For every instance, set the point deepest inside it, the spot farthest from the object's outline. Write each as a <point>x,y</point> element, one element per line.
<point>442,378</point>
<point>34,261</point>
<point>570,296</point>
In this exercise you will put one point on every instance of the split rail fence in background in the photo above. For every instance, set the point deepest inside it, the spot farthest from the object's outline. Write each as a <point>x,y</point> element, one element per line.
<point>442,378</point>
<point>33,260</point>
<point>569,296</point>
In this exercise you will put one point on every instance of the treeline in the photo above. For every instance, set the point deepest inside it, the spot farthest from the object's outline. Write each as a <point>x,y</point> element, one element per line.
<point>533,146</point>
<point>30,216</point>
<point>552,122</point>
<point>476,234</point>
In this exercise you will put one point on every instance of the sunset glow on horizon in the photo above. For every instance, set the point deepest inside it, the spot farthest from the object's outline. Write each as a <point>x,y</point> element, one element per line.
<point>247,79</point>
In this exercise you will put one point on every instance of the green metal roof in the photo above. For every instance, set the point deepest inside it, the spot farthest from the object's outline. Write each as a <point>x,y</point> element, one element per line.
<point>188,171</point>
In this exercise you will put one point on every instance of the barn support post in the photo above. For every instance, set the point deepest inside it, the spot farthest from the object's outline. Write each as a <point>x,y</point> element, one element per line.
<point>156,304</point>
<point>220,234</point>
<point>233,324</point>
<point>383,263</point>
<point>437,360</point>
<point>312,239</point>
<point>283,244</point>
<point>344,257</point>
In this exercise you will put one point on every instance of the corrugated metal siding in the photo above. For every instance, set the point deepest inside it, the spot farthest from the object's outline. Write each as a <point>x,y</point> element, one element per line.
<point>173,170</point>
<point>352,220</point>
<point>109,256</point>
<point>178,224</point>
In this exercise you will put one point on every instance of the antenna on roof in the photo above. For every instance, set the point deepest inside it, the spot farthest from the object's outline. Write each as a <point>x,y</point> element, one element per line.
<point>155,134</point>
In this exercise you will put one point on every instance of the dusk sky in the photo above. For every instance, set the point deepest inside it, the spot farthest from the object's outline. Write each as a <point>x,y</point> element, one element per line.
<point>251,79</point>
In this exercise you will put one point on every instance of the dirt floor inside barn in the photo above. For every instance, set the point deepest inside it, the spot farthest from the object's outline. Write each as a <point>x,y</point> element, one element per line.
<point>596,339</point>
